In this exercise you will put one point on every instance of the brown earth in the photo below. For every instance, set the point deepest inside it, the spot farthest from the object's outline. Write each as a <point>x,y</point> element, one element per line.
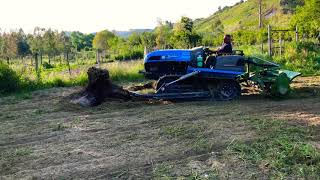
<point>43,136</point>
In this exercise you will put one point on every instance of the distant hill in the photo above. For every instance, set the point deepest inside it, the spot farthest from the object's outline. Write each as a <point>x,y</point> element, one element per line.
<point>244,15</point>
<point>126,34</point>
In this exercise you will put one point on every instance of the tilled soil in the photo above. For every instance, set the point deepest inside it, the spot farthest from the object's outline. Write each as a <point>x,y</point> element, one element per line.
<point>44,136</point>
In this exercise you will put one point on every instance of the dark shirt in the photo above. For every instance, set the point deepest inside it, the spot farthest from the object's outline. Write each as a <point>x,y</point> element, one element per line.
<point>225,48</point>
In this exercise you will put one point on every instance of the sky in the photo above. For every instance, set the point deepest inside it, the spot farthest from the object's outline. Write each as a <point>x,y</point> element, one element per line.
<point>94,15</point>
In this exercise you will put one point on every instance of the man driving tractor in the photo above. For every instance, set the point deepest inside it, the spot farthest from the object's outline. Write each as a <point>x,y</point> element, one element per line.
<point>226,47</point>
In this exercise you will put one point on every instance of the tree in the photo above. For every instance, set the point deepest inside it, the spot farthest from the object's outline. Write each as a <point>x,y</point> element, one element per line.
<point>9,47</point>
<point>101,42</point>
<point>307,18</point>
<point>163,33</point>
<point>148,39</point>
<point>87,41</point>
<point>65,39</point>
<point>77,40</point>
<point>289,6</point>
<point>60,43</point>
<point>134,39</point>
<point>50,43</point>
<point>23,47</point>
<point>184,35</point>
<point>1,45</point>
<point>81,41</point>
<point>115,43</point>
<point>36,43</point>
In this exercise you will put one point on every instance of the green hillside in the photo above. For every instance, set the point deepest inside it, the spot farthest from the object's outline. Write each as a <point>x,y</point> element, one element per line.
<point>245,16</point>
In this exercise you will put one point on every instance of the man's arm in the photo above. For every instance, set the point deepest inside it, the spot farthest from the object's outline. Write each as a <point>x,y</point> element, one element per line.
<point>225,48</point>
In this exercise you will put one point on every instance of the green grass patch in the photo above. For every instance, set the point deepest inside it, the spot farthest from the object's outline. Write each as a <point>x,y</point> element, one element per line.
<point>194,135</point>
<point>58,127</point>
<point>23,96</point>
<point>281,148</point>
<point>162,171</point>
<point>9,158</point>
<point>182,131</point>
<point>200,145</point>
<point>15,153</point>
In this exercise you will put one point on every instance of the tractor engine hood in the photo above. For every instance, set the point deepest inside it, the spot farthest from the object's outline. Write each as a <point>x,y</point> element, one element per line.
<point>177,55</point>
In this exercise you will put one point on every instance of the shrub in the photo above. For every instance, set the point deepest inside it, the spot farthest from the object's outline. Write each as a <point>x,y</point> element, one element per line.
<point>56,82</point>
<point>9,79</point>
<point>302,57</point>
<point>135,54</point>
<point>46,65</point>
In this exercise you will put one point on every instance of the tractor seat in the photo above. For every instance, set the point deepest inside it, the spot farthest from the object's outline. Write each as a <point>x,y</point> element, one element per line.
<point>230,62</point>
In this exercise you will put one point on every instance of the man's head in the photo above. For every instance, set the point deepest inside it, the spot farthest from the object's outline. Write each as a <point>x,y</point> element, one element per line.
<point>227,38</point>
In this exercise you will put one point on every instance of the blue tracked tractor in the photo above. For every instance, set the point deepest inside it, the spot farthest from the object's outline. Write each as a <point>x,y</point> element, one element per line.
<point>202,73</point>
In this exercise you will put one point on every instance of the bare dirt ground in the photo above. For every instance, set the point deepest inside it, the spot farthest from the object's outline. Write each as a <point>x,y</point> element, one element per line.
<point>43,136</point>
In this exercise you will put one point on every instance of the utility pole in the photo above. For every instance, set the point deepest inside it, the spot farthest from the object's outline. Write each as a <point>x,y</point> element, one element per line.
<point>260,23</point>
<point>269,40</point>
<point>260,14</point>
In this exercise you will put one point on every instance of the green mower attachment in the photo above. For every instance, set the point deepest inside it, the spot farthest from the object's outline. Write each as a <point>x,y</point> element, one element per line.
<point>271,79</point>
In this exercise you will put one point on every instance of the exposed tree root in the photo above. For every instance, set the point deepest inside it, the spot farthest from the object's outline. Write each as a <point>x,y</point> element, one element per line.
<point>99,89</point>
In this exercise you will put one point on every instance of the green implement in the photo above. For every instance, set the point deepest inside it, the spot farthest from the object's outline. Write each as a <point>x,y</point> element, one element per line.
<point>291,74</point>
<point>270,78</point>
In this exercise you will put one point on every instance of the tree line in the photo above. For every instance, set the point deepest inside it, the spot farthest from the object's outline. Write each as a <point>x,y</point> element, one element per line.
<point>182,34</point>
<point>166,35</point>
<point>54,44</point>
<point>42,42</point>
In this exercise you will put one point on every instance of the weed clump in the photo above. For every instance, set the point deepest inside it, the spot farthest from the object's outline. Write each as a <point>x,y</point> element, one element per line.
<point>46,65</point>
<point>281,148</point>
<point>9,79</point>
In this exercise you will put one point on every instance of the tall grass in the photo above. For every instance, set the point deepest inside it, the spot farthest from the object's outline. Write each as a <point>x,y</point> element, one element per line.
<point>125,71</point>
<point>303,57</point>
<point>58,75</point>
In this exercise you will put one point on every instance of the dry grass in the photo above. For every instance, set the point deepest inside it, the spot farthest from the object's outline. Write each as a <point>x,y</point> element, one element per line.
<point>42,135</point>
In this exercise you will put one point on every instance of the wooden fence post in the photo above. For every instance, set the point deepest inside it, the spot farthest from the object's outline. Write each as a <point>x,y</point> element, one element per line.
<point>269,40</point>
<point>98,57</point>
<point>37,65</point>
<point>261,35</point>
<point>280,46</point>
<point>297,34</point>
<point>68,63</point>
<point>146,51</point>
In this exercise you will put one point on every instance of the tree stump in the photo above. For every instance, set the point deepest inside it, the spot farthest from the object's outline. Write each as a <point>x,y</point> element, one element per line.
<point>100,88</point>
